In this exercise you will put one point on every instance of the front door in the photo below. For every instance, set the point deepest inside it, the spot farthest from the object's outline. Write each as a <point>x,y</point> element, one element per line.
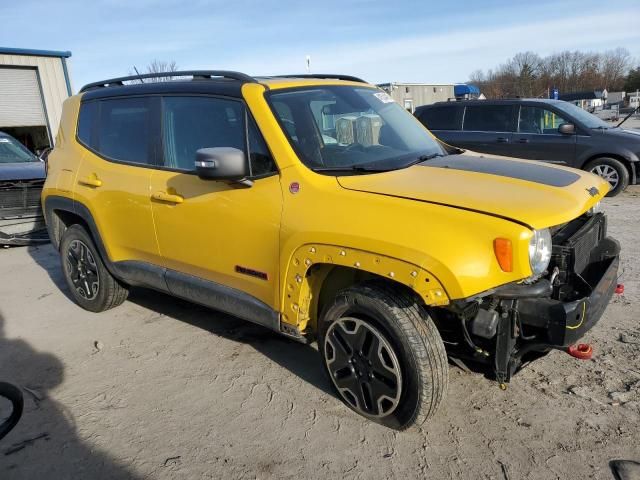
<point>538,138</point>
<point>216,230</point>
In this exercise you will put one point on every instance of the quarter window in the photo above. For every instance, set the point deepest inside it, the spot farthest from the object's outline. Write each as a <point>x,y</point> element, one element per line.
<point>86,120</point>
<point>539,120</point>
<point>447,117</point>
<point>125,132</point>
<point>488,118</point>
<point>261,160</point>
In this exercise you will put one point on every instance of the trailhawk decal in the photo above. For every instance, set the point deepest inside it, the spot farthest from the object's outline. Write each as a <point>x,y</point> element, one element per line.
<point>531,172</point>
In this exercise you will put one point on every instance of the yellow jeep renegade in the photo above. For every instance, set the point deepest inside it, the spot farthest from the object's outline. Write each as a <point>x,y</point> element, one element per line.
<point>319,208</point>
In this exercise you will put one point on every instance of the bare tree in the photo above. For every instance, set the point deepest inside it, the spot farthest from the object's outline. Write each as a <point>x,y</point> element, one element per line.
<point>158,66</point>
<point>527,74</point>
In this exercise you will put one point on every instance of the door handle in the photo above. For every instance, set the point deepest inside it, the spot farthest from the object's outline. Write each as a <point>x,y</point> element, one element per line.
<point>167,197</point>
<point>523,140</point>
<point>91,181</point>
<point>502,140</point>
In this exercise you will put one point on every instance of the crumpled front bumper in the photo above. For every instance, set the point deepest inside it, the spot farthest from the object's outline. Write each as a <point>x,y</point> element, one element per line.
<point>566,322</point>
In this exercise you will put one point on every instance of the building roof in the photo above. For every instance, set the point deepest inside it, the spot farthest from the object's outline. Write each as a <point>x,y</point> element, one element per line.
<point>34,53</point>
<point>410,84</point>
<point>465,89</point>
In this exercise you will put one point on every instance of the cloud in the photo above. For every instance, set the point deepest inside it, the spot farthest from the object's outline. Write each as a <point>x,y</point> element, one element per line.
<point>451,56</point>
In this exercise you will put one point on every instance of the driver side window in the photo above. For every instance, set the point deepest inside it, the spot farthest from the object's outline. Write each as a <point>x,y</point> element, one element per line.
<point>192,123</point>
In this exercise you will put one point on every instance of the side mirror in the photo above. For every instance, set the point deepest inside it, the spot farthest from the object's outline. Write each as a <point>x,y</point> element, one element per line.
<point>567,129</point>
<point>221,163</point>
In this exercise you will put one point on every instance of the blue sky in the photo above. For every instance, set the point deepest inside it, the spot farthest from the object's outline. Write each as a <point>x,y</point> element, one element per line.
<point>414,41</point>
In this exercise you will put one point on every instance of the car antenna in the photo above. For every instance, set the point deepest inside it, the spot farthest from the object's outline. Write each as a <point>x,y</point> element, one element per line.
<point>627,117</point>
<point>138,73</point>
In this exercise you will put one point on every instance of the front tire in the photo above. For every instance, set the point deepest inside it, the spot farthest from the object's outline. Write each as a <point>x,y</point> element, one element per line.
<point>383,354</point>
<point>613,171</point>
<point>92,286</point>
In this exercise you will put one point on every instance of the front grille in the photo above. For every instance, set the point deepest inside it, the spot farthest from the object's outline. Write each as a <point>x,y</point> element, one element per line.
<point>17,196</point>
<point>574,242</point>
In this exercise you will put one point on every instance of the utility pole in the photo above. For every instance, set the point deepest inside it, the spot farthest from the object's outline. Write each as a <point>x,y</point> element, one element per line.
<point>308,62</point>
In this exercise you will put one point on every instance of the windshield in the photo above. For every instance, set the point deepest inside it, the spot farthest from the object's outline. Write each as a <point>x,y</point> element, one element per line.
<point>12,151</point>
<point>587,119</point>
<point>343,128</point>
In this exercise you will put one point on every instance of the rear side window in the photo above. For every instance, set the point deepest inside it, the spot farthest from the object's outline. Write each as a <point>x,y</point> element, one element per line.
<point>124,132</point>
<point>446,117</point>
<point>86,122</point>
<point>488,118</point>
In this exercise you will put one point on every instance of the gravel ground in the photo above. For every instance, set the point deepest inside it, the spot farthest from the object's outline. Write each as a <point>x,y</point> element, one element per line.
<point>159,388</point>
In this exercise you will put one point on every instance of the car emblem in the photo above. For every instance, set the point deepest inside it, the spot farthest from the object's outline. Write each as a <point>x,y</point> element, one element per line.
<point>593,191</point>
<point>294,187</point>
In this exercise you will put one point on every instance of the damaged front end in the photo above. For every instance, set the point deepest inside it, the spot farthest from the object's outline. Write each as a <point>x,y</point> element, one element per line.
<point>21,219</point>
<point>503,326</point>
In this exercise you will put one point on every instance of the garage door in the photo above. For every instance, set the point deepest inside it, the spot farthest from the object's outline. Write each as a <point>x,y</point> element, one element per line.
<point>20,99</point>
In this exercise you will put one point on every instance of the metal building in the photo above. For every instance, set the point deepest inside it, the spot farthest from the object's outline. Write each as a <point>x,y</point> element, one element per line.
<point>412,95</point>
<point>33,85</point>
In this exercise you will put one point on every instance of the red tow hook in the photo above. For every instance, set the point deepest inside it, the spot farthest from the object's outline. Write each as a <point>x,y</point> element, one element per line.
<point>582,351</point>
<point>619,289</point>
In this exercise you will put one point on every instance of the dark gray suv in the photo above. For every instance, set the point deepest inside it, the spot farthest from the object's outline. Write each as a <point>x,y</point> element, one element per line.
<point>547,130</point>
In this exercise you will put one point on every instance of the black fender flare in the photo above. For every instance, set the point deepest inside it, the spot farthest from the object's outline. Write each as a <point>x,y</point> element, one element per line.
<point>55,203</point>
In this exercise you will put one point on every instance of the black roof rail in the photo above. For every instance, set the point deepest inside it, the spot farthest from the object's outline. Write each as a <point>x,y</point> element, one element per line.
<point>195,74</point>
<point>324,76</point>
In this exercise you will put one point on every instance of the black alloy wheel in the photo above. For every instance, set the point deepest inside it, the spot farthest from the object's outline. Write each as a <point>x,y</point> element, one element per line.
<point>83,269</point>
<point>363,367</point>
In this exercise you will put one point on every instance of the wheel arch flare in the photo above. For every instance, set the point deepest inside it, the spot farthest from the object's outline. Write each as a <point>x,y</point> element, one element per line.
<point>311,264</point>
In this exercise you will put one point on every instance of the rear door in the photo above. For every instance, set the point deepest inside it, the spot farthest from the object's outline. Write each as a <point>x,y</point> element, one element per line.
<point>444,121</point>
<point>538,138</point>
<point>114,176</point>
<point>488,128</point>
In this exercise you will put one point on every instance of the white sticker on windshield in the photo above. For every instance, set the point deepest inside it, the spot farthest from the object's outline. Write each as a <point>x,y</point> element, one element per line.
<point>4,140</point>
<point>383,97</point>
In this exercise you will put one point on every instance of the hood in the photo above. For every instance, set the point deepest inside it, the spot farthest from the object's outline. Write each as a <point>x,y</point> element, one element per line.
<point>22,171</point>
<point>621,133</point>
<point>531,193</point>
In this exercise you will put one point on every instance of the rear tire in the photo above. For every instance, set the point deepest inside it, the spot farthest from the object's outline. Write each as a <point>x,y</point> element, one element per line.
<point>383,354</point>
<point>612,170</point>
<point>92,286</point>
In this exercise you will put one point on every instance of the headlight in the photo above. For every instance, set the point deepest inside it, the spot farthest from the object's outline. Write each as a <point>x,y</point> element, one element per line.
<point>597,208</point>
<point>540,251</point>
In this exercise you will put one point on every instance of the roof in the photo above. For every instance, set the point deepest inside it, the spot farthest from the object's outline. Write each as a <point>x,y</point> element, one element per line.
<point>221,82</point>
<point>506,101</point>
<point>34,53</point>
<point>589,95</point>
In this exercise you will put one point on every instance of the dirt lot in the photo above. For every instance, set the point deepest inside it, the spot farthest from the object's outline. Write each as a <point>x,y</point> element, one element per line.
<point>159,388</point>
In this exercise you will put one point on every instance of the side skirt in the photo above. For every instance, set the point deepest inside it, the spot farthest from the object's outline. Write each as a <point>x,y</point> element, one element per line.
<point>194,289</point>
<point>198,290</point>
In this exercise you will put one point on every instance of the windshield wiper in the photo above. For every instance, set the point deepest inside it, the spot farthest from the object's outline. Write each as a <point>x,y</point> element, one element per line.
<point>351,168</point>
<point>362,168</point>
<point>423,158</point>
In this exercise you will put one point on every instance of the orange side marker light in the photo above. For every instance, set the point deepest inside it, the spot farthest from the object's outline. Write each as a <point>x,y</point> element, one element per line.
<point>504,253</point>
